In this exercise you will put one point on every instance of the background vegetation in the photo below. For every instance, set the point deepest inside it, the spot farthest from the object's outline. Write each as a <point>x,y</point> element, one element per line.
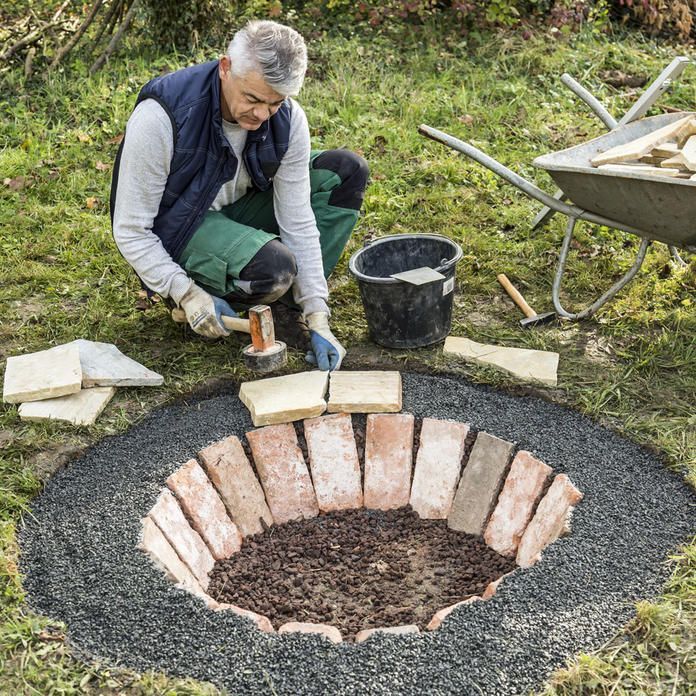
<point>487,72</point>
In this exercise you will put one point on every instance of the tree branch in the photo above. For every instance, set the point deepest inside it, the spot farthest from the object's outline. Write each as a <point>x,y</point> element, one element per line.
<point>62,52</point>
<point>115,39</point>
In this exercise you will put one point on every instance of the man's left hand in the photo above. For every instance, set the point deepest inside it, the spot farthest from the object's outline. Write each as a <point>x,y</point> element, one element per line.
<point>327,353</point>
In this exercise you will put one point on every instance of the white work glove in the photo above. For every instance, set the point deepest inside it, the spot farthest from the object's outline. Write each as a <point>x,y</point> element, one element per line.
<point>327,353</point>
<point>204,312</point>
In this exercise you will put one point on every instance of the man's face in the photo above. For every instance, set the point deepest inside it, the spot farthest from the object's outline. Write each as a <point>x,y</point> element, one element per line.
<point>248,100</point>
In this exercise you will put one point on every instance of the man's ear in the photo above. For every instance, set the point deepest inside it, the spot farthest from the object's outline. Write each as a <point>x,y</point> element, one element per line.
<point>224,66</point>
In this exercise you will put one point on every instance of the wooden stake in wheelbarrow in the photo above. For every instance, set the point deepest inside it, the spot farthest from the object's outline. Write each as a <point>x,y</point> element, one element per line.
<point>265,354</point>
<point>531,317</point>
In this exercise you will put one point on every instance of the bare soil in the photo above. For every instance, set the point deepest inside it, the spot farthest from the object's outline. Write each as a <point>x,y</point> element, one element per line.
<point>357,569</point>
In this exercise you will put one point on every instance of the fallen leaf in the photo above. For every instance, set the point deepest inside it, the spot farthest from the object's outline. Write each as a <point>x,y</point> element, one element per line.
<point>467,119</point>
<point>84,138</point>
<point>116,140</point>
<point>91,202</point>
<point>18,183</point>
<point>101,166</point>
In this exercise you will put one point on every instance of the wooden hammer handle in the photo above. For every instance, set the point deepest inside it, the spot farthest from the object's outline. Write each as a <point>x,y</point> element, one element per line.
<point>231,323</point>
<point>516,296</point>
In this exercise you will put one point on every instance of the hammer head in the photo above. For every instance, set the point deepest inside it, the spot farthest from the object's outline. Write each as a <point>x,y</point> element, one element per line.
<point>261,328</point>
<point>537,319</point>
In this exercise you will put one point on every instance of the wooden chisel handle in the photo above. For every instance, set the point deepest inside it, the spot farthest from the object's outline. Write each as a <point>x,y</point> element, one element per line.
<point>516,296</point>
<point>231,323</point>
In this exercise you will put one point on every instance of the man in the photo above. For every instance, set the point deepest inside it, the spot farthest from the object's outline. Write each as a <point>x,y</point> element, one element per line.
<point>216,196</point>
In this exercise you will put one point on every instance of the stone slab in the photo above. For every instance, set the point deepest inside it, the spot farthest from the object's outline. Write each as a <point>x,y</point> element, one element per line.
<point>333,461</point>
<point>549,520</point>
<point>360,636</point>
<point>187,543</point>
<point>283,473</point>
<point>480,484</point>
<point>81,408</point>
<point>284,399</point>
<point>43,375</point>
<point>388,460</point>
<point>438,464</point>
<point>442,614</point>
<point>163,555</point>
<point>516,502</point>
<point>524,363</point>
<point>262,622</point>
<point>104,365</point>
<point>202,505</point>
<point>329,632</point>
<point>492,587</point>
<point>364,392</point>
<point>230,472</point>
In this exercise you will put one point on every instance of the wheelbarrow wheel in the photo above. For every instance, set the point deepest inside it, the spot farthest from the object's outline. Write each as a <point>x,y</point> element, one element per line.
<point>611,292</point>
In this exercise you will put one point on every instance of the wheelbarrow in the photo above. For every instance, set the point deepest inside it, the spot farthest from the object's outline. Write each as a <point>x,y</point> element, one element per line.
<point>650,206</point>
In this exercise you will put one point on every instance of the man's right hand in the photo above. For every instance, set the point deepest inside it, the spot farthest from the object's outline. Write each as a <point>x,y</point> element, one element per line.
<point>204,312</point>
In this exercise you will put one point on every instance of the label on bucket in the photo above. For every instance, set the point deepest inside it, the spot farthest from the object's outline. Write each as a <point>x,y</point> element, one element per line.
<point>447,286</point>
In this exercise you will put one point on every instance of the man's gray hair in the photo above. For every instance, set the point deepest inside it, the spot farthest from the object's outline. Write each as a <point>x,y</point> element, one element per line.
<point>278,53</point>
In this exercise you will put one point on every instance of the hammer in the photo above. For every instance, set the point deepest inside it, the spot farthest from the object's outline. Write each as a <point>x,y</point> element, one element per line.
<point>531,317</point>
<point>265,354</point>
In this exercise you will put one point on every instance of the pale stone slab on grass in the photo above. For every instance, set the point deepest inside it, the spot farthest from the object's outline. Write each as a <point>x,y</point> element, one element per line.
<point>203,506</point>
<point>43,375</point>
<point>187,543</point>
<point>442,614</point>
<point>480,484</point>
<point>163,555</point>
<point>333,460</point>
<point>230,471</point>
<point>104,365</point>
<point>388,460</point>
<point>329,632</point>
<point>549,520</point>
<point>284,399</point>
<point>524,363</point>
<point>81,408</point>
<point>360,636</point>
<point>364,392</point>
<point>438,464</point>
<point>283,473</point>
<point>511,516</point>
<point>263,623</point>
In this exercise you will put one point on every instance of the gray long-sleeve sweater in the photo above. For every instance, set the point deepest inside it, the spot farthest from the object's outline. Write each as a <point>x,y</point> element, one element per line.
<point>145,162</point>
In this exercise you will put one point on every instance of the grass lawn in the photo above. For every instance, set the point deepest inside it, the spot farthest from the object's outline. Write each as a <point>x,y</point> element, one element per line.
<point>632,367</point>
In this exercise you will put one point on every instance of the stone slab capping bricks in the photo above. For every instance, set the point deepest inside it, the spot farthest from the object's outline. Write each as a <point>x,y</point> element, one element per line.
<point>209,507</point>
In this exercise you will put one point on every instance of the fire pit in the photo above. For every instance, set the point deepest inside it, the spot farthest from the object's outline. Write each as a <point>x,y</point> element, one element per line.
<point>82,565</point>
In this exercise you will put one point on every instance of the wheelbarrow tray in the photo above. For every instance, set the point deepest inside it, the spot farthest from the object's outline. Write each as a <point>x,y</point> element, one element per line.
<point>664,208</point>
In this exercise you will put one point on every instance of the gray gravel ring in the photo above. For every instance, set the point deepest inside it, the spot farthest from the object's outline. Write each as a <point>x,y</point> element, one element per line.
<point>82,567</point>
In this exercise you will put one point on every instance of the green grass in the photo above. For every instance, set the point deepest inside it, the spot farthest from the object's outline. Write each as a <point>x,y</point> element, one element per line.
<point>632,367</point>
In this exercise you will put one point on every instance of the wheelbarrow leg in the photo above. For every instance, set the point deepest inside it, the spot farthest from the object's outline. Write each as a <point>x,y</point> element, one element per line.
<point>641,106</point>
<point>676,256</point>
<point>613,290</point>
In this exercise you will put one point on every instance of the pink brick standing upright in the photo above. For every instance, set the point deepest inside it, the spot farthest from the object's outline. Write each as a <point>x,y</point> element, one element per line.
<point>202,505</point>
<point>521,490</point>
<point>231,473</point>
<point>283,473</point>
<point>187,543</point>
<point>388,460</point>
<point>333,459</point>
<point>548,521</point>
<point>438,465</point>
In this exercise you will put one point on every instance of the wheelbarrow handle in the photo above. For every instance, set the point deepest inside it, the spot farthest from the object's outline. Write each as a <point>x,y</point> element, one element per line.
<point>497,168</point>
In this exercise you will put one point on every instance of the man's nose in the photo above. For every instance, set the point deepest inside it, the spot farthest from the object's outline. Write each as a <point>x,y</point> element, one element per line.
<point>262,112</point>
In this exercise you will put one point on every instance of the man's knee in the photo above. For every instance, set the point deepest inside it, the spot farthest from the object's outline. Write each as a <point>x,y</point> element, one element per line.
<point>353,172</point>
<point>270,274</point>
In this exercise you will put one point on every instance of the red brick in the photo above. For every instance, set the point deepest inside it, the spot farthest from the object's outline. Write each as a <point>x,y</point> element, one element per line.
<point>330,632</point>
<point>262,622</point>
<point>230,471</point>
<point>388,460</point>
<point>203,506</point>
<point>438,465</point>
<point>360,636</point>
<point>163,555</point>
<point>333,460</point>
<point>187,543</point>
<point>549,520</point>
<point>511,516</point>
<point>283,473</point>
<point>442,614</point>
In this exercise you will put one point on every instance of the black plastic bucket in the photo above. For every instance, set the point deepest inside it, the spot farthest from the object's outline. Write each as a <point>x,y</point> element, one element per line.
<point>399,314</point>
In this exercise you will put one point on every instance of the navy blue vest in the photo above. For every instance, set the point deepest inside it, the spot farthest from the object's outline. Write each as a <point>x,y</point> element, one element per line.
<point>203,159</point>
